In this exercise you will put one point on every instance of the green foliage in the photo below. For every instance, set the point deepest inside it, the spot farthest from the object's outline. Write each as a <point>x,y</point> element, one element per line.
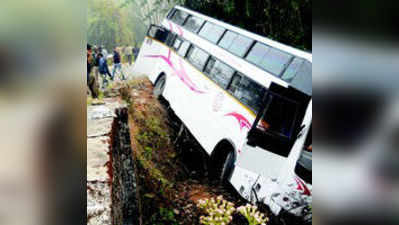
<point>151,11</point>
<point>151,134</point>
<point>287,21</point>
<point>109,25</point>
<point>163,217</point>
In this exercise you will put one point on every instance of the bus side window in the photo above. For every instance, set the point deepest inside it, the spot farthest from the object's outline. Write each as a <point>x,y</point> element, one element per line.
<point>219,72</point>
<point>292,69</point>
<point>177,44</point>
<point>183,49</point>
<point>197,57</point>
<point>193,24</point>
<point>247,91</point>
<point>158,33</point>
<point>211,32</point>
<point>171,13</point>
<point>179,17</point>
<point>234,83</point>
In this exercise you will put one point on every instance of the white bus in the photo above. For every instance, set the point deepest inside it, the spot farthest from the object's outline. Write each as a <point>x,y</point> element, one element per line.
<point>245,98</point>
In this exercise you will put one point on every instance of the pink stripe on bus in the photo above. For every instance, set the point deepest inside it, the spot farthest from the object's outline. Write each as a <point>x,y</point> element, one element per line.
<point>242,121</point>
<point>182,74</point>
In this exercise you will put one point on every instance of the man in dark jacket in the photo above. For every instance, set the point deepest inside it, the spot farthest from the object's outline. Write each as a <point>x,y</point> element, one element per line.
<point>117,64</point>
<point>90,62</point>
<point>103,69</point>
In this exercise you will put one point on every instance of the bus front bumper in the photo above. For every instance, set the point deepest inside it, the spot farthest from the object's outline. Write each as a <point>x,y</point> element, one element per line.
<point>269,191</point>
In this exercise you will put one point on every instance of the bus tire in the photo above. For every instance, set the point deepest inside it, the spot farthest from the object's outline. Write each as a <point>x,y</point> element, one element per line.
<point>159,86</point>
<point>222,164</point>
<point>227,167</point>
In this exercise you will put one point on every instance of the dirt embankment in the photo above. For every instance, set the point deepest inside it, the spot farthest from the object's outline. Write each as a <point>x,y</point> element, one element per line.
<point>171,175</point>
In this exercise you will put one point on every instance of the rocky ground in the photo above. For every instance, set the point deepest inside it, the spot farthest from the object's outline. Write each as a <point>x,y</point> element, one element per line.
<point>99,121</point>
<point>100,115</point>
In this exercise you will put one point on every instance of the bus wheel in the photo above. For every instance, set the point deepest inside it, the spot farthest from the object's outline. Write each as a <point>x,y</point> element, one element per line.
<point>159,86</point>
<point>223,167</point>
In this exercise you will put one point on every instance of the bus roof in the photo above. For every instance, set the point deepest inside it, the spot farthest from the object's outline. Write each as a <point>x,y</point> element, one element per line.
<point>275,44</point>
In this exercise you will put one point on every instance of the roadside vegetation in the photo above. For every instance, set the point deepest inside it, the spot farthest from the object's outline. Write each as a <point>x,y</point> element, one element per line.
<point>169,192</point>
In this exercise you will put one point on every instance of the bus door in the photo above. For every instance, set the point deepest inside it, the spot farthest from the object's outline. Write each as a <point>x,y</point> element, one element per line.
<point>270,142</point>
<point>156,39</point>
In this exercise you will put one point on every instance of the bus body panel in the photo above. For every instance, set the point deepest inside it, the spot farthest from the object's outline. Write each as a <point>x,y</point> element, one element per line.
<point>211,105</point>
<point>145,65</point>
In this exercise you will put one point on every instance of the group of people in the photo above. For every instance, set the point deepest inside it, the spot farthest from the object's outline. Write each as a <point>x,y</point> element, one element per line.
<point>97,61</point>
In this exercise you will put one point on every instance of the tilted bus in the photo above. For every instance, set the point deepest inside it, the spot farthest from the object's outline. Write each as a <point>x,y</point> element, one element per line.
<point>245,98</point>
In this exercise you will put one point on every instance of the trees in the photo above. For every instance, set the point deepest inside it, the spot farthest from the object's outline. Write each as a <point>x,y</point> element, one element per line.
<point>151,11</point>
<point>126,21</point>
<point>109,24</point>
<point>287,21</point>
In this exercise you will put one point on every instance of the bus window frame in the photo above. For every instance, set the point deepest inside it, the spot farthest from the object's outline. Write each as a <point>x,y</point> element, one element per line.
<point>159,28</point>
<point>181,42</point>
<point>213,24</point>
<point>206,61</point>
<point>249,49</point>
<point>266,102</point>
<point>200,27</point>
<point>171,13</point>
<point>238,34</point>
<point>185,19</point>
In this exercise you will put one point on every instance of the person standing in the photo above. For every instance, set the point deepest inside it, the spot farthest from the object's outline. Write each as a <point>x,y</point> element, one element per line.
<point>96,62</point>
<point>89,62</point>
<point>104,51</point>
<point>117,64</point>
<point>91,81</point>
<point>103,69</point>
<point>129,53</point>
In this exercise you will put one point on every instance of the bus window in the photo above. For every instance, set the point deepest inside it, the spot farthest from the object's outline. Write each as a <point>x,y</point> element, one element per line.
<point>183,49</point>
<point>235,43</point>
<point>274,130</point>
<point>292,69</point>
<point>177,44</point>
<point>179,17</point>
<point>170,14</point>
<point>257,53</point>
<point>219,72</point>
<point>275,61</point>
<point>158,33</point>
<point>211,32</point>
<point>193,24</point>
<point>303,79</point>
<point>197,57</point>
<point>280,116</point>
<point>268,58</point>
<point>247,91</point>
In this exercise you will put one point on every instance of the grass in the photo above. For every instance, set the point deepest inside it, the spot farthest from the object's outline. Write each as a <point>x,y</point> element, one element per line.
<point>163,181</point>
<point>153,152</point>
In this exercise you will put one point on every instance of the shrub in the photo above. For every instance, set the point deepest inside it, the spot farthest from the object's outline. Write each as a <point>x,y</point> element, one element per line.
<point>219,211</point>
<point>252,214</point>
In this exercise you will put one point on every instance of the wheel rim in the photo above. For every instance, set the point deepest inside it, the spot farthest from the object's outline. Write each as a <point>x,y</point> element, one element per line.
<point>225,168</point>
<point>159,86</point>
